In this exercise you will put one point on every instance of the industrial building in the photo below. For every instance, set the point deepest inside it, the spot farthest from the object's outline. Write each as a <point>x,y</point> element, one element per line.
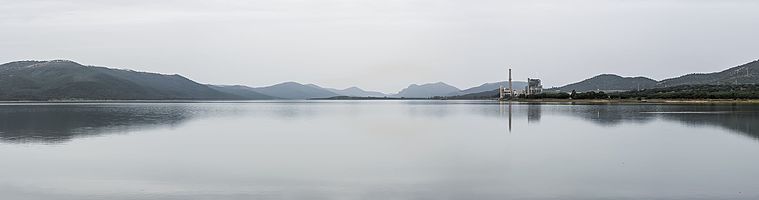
<point>534,86</point>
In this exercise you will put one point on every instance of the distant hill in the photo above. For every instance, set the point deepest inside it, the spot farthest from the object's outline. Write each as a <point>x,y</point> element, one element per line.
<point>293,90</point>
<point>242,91</point>
<point>607,82</point>
<point>61,79</point>
<point>491,87</point>
<point>492,94</point>
<point>427,90</point>
<point>744,74</point>
<point>356,92</point>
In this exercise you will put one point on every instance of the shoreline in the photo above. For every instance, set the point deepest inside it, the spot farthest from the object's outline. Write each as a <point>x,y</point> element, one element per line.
<point>527,101</point>
<point>635,101</point>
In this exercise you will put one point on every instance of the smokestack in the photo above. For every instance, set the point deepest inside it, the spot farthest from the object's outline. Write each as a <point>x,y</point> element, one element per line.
<point>511,90</point>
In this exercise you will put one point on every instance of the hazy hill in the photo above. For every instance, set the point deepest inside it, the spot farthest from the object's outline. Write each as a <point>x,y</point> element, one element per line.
<point>427,90</point>
<point>293,90</point>
<point>243,91</point>
<point>517,85</point>
<point>492,94</point>
<point>744,74</point>
<point>60,79</point>
<point>356,92</point>
<point>610,82</point>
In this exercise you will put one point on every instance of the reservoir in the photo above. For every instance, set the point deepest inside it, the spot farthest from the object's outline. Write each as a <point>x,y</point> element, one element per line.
<point>377,150</point>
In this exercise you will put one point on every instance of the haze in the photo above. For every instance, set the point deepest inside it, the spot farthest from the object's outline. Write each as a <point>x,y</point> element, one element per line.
<point>385,45</point>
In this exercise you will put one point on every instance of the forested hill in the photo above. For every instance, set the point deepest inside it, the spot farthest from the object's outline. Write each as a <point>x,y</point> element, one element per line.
<point>607,82</point>
<point>62,79</point>
<point>744,74</point>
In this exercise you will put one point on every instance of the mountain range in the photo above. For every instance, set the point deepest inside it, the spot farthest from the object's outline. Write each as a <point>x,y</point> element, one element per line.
<point>356,92</point>
<point>490,87</point>
<point>611,82</point>
<point>294,90</point>
<point>427,90</point>
<point>63,79</point>
<point>743,74</point>
<point>243,91</point>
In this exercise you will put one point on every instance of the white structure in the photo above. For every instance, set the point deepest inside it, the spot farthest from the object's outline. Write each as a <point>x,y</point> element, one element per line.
<point>533,87</point>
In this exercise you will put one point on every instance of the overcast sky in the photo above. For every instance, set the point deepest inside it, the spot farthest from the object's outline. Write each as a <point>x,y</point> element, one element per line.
<point>385,44</point>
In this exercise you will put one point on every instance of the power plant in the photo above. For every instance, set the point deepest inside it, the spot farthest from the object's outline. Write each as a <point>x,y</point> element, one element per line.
<point>534,86</point>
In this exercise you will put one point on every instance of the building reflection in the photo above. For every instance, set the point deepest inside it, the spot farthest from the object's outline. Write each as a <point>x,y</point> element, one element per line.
<point>62,123</point>
<point>505,108</point>
<point>740,119</point>
<point>533,113</point>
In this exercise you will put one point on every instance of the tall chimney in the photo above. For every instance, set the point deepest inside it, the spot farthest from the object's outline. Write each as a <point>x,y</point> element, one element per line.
<point>511,90</point>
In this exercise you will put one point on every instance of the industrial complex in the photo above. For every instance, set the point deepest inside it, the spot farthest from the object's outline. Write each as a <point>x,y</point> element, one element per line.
<point>533,87</point>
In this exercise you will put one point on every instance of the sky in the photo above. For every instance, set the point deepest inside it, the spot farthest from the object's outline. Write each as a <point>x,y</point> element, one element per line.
<point>385,45</point>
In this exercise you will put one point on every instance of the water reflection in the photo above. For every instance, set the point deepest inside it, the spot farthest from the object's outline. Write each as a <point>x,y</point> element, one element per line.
<point>56,123</point>
<point>60,123</point>
<point>743,122</point>
<point>610,115</point>
<point>736,118</point>
<point>533,113</point>
<point>378,150</point>
<point>505,108</point>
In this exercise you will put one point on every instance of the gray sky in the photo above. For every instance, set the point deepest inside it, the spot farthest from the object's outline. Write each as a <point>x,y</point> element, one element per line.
<point>385,44</point>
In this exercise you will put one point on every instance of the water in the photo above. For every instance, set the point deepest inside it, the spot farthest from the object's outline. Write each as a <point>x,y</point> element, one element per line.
<point>377,150</point>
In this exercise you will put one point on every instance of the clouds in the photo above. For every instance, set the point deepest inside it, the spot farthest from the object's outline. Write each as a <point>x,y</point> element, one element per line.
<point>385,45</point>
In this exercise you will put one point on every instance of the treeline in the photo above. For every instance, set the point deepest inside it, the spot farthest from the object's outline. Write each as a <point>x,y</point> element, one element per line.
<point>564,95</point>
<point>372,98</point>
<point>749,91</point>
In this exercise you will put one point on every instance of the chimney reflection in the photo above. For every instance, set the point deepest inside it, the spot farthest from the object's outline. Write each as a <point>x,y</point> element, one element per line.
<point>534,112</point>
<point>509,116</point>
<point>507,109</point>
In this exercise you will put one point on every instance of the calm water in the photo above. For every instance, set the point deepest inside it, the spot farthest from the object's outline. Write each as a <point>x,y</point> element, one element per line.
<point>377,150</point>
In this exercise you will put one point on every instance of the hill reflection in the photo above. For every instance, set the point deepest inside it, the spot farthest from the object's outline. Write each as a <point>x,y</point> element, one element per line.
<point>736,118</point>
<point>744,122</point>
<point>60,123</point>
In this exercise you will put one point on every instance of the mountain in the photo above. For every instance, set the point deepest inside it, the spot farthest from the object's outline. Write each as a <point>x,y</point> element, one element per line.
<point>492,94</point>
<point>293,90</point>
<point>517,85</point>
<point>356,92</point>
<point>242,91</point>
<point>62,79</point>
<point>608,82</point>
<point>427,90</point>
<point>744,74</point>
